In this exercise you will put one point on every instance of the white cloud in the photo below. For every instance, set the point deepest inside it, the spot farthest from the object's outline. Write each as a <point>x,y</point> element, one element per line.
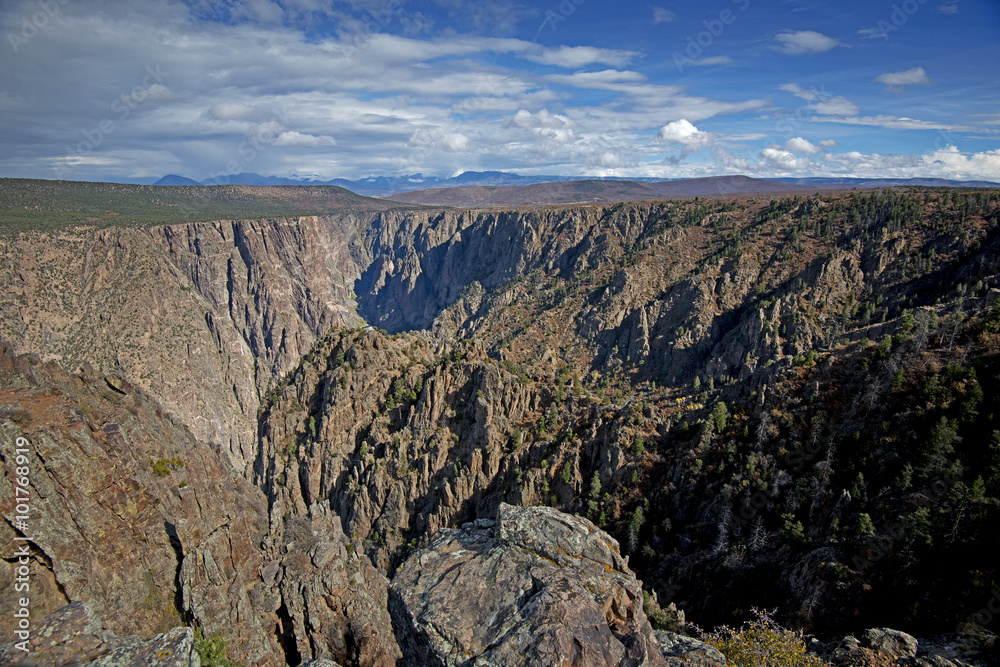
<point>891,122</point>
<point>783,160</point>
<point>972,166</point>
<point>233,111</point>
<point>822,102</point>
<point>685,133</point>
<point>573,57</point>
<point>547,126</point>
<point>835,106</point>
<point>874,33</point>
<point>911,77</point>
<point>804,42</point>
<point>800,145</point>
<point>662,15</point>
<point>451,142</point>
<point>947,162</point>
<point>294,138</point>
<point>829,143</point>
<point>711,60</point>
<point>607,79</point>
<point>949,7</point>
<point>543,119</point>
<point>261,11</point>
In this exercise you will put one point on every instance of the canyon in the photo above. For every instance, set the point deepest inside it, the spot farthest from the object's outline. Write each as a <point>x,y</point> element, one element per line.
<point>274,429</point>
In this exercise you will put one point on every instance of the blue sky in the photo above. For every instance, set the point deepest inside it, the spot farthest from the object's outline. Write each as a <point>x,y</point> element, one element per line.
<point>116,90</point>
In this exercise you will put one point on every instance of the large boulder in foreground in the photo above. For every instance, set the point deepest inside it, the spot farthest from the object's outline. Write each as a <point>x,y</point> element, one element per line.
<point>534,587</point>
<point>72,637</point>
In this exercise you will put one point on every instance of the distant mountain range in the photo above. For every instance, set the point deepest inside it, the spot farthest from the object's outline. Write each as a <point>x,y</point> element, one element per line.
<point>383,186</point>
<point>376,186</point>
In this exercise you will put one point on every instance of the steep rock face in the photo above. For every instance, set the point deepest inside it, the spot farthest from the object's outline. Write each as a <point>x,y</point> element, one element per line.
<point>423,262</point>
<point>279,283</point>
<point>113,299</point>
<point>330,601</point>
<point>152,529</point>
<point>204,316</point>
<point>129,512</point>
<point>535,587</point>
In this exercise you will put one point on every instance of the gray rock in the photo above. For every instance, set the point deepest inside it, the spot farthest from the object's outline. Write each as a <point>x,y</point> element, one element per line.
<point>539,588</point>
<point>681,650</point>
<point>72,636</point>
<point>891,642</point>
<point>67,635</point>
<point>170,649</point>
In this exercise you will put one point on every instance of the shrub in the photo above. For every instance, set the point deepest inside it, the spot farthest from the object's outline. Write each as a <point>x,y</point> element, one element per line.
<point>212,650</point>
<point>163,467</point>
<point>762,643</point>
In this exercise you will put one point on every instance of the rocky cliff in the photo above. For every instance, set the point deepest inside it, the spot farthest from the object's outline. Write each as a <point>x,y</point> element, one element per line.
<point>203,316</point>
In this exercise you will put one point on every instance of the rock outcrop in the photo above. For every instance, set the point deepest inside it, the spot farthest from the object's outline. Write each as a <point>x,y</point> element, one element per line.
<point>72,637</point>
<point>884,647</point>
<point>683,651</point>
<point>153,529</point>
<point>534,587</point>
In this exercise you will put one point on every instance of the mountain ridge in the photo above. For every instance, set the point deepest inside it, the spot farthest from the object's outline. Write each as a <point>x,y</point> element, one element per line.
<point>380,186</point>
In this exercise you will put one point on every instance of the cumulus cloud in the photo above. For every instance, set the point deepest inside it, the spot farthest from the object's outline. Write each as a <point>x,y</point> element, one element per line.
<point>542,119</point>
<point>783,160</point>
<point>966,166</point>
<point>800,145</point>
<point>662,15</point>
<point>911,77</point>
<point>450,142</point>
<point>829,143</point>
<point>685,133</point>
<point>804,42</point>
<point>545,125</point>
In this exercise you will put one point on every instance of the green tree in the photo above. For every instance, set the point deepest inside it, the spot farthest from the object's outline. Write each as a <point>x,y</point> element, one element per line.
<point>865,525</point>
<point>720,415</point>
<point>940,445</point>
<point>595,486</point>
